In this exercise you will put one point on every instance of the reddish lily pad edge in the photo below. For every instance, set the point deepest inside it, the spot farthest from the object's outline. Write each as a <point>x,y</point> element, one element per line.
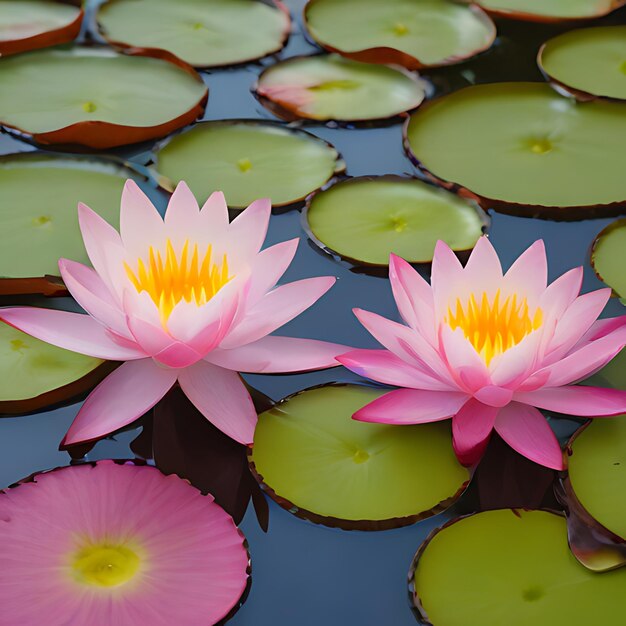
<point>548,19</point>
<point>537,211</point>
<point>293,114</point>
<point>379,268</point>
<point>102,135</point>
<point>32,478</point>
<point>49,285</point>
<point>620,223</point>
<point>169,185</point>
<point>53,37</point>
<point>124,46</point>
<point>387,55</point>
<point>336,522</point>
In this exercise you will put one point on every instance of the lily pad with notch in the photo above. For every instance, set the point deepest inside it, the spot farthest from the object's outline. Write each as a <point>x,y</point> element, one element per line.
<point>31,24</point>
<point>510,567</point>
<point>97,98</point>
<point>587,62</point>
<point>203,33</point>
<point>247,160</point>
<point>519,148</point>
<point>411,33</point>
<point>314,460</point>
<point>364,219</point>
<point>332,88</point>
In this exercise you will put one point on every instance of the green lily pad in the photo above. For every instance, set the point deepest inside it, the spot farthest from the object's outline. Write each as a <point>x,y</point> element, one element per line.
<point>319,463</point>
<point>35,374</point>
<point>608,256</point>
<point>204,33</point>
<point>95,97</point>
<point>364,219</point>
<point>38,213</point>
<point>521,148</point>
<point>597,471</point>
<point>329,87</point>
<point>247,160</point>
<point>514,568</point>
<point>588,61</point>
<point>413,33</point>
<point>550,10</point>
<point>29,24</point>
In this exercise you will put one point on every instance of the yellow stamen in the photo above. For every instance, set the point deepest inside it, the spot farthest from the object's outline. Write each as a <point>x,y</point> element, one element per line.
<point>184,276</point>
<point>493,326</point>
<point>105,565</point>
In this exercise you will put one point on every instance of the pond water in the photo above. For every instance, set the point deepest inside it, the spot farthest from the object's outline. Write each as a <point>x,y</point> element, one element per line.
<point>303,573</point>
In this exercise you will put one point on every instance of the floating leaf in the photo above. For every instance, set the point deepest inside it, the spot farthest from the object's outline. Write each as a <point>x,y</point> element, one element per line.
<point>514,568</point>
<point>97,98</point>
<point>247,160</point>
<point>521,148</point>
<point>35,374</point>
<point>319,463</point>
<point>550,10</point>
<point>30,24</point>
<point>412,33</point>
<point>364,219</point>
<point>608,256</point>
<point>203,33</point>
<point>39,220</point>
<point>587,62</point>
<point>329,87</point>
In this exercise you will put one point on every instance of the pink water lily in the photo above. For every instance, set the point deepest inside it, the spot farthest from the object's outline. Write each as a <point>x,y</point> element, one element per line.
<point>190,299</point>
<point>490,350</point>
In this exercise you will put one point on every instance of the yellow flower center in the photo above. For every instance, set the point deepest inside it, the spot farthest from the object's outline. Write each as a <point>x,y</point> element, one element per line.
<point>105,565</point>
<point>493,326</point>
<point>191,277</point>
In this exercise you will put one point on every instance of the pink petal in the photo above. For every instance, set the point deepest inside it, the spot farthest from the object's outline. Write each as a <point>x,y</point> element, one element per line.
<point>483,271</point>
<point>247,231</point>
<point>515,364</point>
<point>385,367</point>
<point>269,265</point>
<point>276,309</point>
<point>407,344</point>
<point>123,396</point>
<point>72,331</point>
<point>446,278</point>
<point>465,365</point>
<point>529,273</point>
<point>141,226</point>
<point>559,295</point>
<point>412,406</point>
<point>89,290</point>
<point>526,430</point>
<point>471,428</point>
<point>603,327</point>
<point>275,354</point>
<point>574,400</point>
<point>214,215</point>
<point>220,395</point>
<point>413,296</point>
<point>182,217</point>
<point>494,396</point>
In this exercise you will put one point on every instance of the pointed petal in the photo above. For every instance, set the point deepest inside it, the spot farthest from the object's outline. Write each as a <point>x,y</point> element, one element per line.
<point>471,429</point>
<point>182,217</point>
<point>276,354</point>
<point>483,270</point>
<point>446,278</point>
<point>574,400</point>
<point>412,406</point>
<point>464,364</point>
<point>122,397</point>
<point>517,363</point>
<point>526,430</point>
<point>276,309</point>
<point>89,290</point>
<point>222,398</point>
<point>529,273</point>
<point>269,266</point>
<point>214,215</point>
<point>560,294</point>
<point>72,331</point>
<point>413,296</point>
<point>247,231</point>
<point>385,367</point>
<point>602,328</point>
<point>141,225</point>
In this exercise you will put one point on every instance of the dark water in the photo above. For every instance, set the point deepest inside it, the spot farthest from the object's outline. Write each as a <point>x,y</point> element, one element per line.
<point>305,574</point>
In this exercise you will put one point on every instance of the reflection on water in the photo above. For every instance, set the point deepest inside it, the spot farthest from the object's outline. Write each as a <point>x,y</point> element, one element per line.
<point>305,574</point>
